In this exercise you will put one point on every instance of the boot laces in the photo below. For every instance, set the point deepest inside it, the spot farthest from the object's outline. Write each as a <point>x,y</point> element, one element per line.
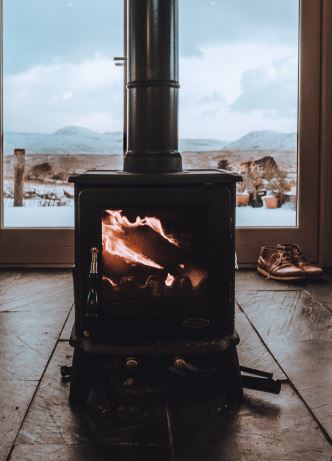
<point>298,255</point>
<point>284,256</point>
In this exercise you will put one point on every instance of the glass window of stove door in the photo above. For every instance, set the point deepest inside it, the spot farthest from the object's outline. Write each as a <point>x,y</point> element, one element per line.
<point>151,251</point>
<point>62,112</point>
<point>249,73</point>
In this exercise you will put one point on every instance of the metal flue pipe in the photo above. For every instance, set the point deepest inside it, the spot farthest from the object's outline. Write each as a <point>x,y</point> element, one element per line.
<point>152,87</point>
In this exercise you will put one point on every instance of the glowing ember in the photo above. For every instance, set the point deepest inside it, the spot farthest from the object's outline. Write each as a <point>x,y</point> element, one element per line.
<point>169,280</point>
<point>110,281</point>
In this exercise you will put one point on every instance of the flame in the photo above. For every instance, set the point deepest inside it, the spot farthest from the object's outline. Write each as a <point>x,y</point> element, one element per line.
<point>114,228</point>
<point>169,280</point>
<point>109,280</point>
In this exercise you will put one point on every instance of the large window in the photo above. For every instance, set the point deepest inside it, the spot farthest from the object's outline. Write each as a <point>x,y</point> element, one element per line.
<point>250,75</point>
<point>239,100</point>
<point>63,103</point>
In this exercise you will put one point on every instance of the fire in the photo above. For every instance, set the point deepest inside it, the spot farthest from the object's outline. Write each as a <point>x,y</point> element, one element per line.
<point>169,280</point>
<point>114,229</point>
<point>144,242</point>
<point>109,280</point>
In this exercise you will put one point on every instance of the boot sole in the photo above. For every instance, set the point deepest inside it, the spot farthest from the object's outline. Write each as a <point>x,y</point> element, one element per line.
<point>316,277</point>
<point>275,277</point>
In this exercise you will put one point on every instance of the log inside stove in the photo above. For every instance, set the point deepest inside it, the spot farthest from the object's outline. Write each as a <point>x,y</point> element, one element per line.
<point>174,271</point>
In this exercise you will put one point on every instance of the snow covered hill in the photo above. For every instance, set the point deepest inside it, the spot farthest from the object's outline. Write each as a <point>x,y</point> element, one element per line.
<point>67,140</point>
<point>79,140</point>
<point>265,140</point>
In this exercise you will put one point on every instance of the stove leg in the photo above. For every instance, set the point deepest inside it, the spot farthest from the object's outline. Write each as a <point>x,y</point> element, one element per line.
<point>82,375</point>
<point>230,375</point>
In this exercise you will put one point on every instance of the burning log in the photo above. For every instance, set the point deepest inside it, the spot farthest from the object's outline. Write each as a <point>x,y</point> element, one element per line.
<point>116,267</point>
<point>143,250</point>
<point>151,244</point>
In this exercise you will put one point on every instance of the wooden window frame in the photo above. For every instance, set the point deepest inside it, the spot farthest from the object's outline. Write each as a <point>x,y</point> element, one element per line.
<point>55,246</point>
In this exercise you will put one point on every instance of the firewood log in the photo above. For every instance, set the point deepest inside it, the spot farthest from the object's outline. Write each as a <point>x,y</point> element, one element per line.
<point>147,241</point>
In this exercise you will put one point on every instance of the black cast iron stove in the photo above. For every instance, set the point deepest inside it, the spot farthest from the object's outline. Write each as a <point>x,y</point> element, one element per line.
<point>154,245</point>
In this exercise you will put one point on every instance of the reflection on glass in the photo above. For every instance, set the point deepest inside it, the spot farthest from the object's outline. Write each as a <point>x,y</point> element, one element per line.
<point>239,97</point>
<point>63,102</point>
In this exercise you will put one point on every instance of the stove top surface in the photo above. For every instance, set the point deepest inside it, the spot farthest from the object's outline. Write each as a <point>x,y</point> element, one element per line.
<point>183,177</point>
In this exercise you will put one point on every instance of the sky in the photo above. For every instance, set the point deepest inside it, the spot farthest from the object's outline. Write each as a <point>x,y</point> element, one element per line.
<point>238,66</point>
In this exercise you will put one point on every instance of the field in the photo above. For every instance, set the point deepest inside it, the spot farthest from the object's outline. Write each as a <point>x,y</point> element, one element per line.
<point>48,197</point>
<point>65,165</point>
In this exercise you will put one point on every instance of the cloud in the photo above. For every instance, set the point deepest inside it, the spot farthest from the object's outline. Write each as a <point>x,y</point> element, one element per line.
<point>271,89</point>
<point>206,23</point>
<point>225,92</point>
<point>215,93</point>
<point>41,98</point>
<point>67,95</point>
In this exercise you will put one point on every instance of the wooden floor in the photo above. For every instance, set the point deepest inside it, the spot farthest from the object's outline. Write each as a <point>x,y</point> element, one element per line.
<point>284,328</point>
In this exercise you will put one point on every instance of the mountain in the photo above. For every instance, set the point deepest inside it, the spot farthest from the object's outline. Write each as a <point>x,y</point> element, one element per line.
<point>79,140</point>
<point>200,145</point>
<point>264,140</point>
<point>67,140</point>
<point>74,130</point>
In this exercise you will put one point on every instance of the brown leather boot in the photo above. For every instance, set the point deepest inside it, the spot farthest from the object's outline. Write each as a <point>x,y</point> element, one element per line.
<point>275,262</point>
<point>312,271</point>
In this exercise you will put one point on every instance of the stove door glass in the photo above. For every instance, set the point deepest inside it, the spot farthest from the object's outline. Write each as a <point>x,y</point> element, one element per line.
<point>154,252</point>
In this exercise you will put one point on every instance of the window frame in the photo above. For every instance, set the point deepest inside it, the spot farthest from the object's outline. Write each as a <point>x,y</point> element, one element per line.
<point>55,246</point>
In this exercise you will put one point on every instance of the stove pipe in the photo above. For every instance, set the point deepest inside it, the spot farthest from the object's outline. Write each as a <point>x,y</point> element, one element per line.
<point>152,87</point>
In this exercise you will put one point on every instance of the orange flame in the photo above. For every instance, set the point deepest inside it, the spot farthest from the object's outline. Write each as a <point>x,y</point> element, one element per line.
<point>113,229</point>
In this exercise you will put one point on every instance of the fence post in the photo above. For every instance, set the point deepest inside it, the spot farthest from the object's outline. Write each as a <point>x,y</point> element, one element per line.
<point>19,166</point>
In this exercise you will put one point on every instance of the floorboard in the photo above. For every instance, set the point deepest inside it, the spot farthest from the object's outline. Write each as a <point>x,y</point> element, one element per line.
<point>134,416</point>
<point>264,427</point>
<point>298,331</point>
<point>102,452</point>
<point>33,308</point>
<point>201,427</point>
<point>66,332</point>
<point>139,420</point>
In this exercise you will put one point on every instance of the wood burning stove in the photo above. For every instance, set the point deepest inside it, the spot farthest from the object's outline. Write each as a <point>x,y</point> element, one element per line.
<point>154,245</point>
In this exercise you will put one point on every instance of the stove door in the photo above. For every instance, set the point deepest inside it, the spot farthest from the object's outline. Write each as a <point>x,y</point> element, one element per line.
<point>166,260</point>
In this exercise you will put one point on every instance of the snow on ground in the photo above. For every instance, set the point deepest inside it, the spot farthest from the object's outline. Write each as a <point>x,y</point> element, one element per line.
<point>37,216</point>
<point>265,217</point>
<point>63,216</point>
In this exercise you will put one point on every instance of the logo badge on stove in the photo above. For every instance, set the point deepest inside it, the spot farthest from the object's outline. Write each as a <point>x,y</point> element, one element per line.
<point>196,323</point>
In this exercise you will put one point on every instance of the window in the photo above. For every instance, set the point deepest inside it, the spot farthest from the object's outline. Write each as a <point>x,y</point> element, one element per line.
<point>239,100</point>
<point>47,51</point>
<point>63,103</point>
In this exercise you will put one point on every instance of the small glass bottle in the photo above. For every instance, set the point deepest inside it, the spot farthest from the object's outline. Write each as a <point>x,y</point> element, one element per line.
<point>91,308</point>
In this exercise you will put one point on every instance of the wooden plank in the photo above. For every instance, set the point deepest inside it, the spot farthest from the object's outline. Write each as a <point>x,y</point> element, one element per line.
<point>297,330</point>
<point>321,290</point>
<point>66,332</point>
<point>87,452</point>
<point>135,417</point>
<point>252,352</point>
<point>15,396</point>
<point>264,427</point>
<point>251,280</point>
<point>33,308</point>
<point>7,279</point>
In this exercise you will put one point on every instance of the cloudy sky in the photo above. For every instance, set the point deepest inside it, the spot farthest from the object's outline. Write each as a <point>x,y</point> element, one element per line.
<point>238,65</point>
